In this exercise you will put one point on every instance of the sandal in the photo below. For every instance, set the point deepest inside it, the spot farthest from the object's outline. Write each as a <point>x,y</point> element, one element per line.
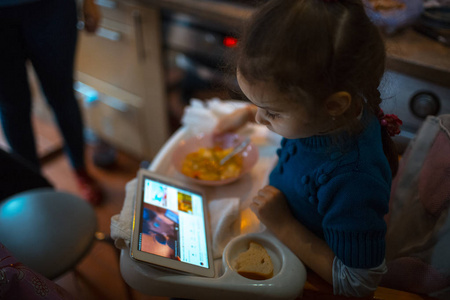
<point>89,189</point>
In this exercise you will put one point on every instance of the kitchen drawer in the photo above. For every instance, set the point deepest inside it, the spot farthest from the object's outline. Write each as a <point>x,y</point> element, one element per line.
<point>112,56</point>
<point>112,119</point>
<point>123,60</point>
<point>118,127</point>
<point>115,10</point>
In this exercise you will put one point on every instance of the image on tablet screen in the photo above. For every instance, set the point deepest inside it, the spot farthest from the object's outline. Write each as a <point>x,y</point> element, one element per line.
<point>173,224</point>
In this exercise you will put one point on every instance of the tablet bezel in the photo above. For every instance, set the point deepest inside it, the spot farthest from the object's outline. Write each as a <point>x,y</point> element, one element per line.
<point>153,259</point>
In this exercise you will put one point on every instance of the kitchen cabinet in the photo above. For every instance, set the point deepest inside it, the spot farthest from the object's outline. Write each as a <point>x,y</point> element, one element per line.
<point>120,79</point>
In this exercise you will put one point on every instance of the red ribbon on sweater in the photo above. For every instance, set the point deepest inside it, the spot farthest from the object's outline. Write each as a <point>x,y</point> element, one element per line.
<point>391,122</point>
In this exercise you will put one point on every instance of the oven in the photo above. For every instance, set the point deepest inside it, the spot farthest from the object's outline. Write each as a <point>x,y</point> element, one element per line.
<point>195,61</point>
<point>195,52</point>
<point>412,100</point>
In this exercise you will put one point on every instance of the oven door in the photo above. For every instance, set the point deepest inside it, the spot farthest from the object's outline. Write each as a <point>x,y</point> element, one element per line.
<point>195,54</point>
<point>412,100</point>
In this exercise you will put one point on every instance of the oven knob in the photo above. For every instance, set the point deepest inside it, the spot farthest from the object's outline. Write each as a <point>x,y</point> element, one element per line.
<point>210,38</point>
<point>423,104</point>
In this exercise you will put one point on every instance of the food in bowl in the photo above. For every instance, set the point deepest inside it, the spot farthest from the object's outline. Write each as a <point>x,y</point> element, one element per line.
<point>382,5</point>
<point>204,164</point>
<point>255,263</point>
<point>192,144</point>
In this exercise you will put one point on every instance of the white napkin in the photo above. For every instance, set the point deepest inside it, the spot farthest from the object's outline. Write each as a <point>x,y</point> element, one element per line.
<point>224,221</point>
<point>121,224</point>
<point>202,116</point>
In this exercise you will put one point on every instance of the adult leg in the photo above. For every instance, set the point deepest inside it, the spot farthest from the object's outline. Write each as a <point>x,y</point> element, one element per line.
<point>18,175</point>
<point>51,35</point>
<point>15,97</point>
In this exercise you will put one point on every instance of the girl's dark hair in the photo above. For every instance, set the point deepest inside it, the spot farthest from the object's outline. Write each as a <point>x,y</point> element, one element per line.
<point>318,47</point>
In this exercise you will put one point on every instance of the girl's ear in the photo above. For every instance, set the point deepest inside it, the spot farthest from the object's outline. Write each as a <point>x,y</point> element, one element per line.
<point>338,103</point>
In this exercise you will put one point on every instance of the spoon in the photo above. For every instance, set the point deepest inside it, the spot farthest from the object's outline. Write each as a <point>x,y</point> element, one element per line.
<point>235,151</point>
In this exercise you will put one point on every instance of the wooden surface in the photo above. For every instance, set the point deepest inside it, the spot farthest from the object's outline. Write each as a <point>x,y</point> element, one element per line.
<point>317,289</point>
<point>414,54</point>
<point>221,12</point>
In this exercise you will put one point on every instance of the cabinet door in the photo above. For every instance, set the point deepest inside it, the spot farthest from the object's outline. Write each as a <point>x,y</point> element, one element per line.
<point>113,54</point>
<point>123,60</point>
<point>117,126</point>
<point>154,121</point>
<point>112,113</point>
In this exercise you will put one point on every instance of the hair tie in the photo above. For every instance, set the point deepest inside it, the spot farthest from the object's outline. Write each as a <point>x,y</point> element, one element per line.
<point>391,122</point>
<point>330,1</point>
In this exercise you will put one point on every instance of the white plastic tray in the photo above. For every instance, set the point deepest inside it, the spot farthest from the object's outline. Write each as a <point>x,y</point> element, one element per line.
<point>289,273</point>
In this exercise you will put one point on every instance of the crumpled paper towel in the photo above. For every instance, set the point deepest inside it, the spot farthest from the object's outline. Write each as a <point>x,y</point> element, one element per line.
<point>224,221</point>
<point>200,116</point>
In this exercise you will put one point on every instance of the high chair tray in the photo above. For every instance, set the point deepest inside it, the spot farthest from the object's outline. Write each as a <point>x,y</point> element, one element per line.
<point>289,272</point>
<point>287,282</point>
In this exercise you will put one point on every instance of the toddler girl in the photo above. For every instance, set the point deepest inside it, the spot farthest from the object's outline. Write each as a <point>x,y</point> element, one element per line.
<point>312,70</point>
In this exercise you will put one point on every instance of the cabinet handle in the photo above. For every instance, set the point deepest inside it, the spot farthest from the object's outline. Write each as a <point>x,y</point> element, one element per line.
<point>91,97</point>
<point>106,3</point>
<point>108,34</point>
<point>139,35</point>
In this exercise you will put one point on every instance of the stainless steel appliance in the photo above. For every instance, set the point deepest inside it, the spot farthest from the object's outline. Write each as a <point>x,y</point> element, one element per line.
<point>196,48</point>
<point>412,99</point>
<point>195,59</point>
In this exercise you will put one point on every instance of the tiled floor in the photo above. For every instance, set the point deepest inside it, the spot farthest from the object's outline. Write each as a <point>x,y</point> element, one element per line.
<point>99,275</point>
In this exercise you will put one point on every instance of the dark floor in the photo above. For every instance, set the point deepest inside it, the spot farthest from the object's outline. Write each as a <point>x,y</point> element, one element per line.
<point>99,275</point>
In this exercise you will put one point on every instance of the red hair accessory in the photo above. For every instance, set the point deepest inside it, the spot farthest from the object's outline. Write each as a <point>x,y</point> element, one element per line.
<point>391,122</point>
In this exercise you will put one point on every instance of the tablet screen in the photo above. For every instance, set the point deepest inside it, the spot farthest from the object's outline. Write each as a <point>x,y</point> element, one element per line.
<point>171,224</point>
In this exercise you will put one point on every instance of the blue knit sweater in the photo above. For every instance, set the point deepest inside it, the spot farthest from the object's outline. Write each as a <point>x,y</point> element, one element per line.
<point>340,193</point>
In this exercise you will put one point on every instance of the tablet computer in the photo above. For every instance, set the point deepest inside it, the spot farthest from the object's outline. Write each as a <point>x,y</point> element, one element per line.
<point>170,226</point>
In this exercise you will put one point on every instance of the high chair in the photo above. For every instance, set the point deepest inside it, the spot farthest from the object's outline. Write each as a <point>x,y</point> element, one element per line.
<point>418,234</point>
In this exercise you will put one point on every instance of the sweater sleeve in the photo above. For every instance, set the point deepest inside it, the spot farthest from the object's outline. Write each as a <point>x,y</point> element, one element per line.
<point>353,206</point>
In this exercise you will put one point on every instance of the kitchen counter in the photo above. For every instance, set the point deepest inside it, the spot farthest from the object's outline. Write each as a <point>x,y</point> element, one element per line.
<point>418,56</point>
<point>408,52</point>
<point>222,12</point>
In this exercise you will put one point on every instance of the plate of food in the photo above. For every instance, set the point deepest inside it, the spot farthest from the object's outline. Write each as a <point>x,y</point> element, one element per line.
<point>393,15</point>
<point>199,157</point>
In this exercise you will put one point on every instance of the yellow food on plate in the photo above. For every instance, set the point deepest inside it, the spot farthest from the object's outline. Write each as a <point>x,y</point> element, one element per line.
<point>204,164</point>
<point>383,5</point>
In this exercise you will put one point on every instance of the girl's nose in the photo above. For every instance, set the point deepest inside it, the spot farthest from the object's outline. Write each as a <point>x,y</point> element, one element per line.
<point>260,118</point>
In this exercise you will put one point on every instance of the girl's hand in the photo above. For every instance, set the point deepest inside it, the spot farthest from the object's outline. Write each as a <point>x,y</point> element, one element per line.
<point>271,208</point>
<point>235,120</point>
<point>92,15</point>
